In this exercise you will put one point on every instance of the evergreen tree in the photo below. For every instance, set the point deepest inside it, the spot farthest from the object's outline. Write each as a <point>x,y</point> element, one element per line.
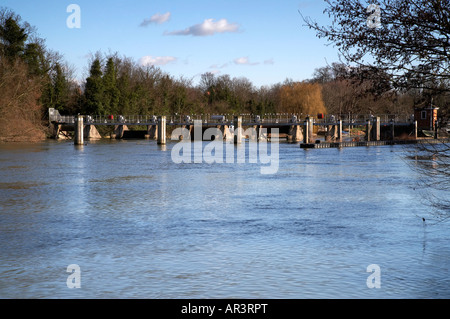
<point>35,57</point>
<point>12,38</point>
<point>111,93</point>
<point>14,44</point>
<point>60,88</point>
<point>94,90</point>
<point>123,83</point>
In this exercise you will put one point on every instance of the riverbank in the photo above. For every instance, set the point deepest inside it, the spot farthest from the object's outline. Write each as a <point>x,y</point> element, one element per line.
<point>22,131</point>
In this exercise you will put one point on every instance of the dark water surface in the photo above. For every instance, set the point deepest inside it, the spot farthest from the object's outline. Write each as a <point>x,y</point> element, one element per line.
<point>140,226</point>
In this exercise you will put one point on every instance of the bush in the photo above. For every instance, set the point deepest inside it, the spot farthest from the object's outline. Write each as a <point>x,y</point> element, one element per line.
<point>20,113</point>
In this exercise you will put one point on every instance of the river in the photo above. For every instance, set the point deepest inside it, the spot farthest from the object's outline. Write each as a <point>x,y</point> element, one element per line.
<point>139,225</point>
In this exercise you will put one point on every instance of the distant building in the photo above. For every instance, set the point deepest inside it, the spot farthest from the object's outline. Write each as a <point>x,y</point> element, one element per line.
<point>426,117</point>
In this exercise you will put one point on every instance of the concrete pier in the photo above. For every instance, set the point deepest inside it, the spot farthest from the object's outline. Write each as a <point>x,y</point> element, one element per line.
<point>79,130</point>
<point>152,132</point>
<point>368,131</point>
<point>309,130</point>
<point>119,130</point>
<point>238,130</point>
<point>373,129</point>
<point>339,132</point>
<point>254,136</point>
<point>162,120</point>
<point>392,130</point>
<point>376,129</point>
<point>330,134</point>
<point>295,133</point>
<point>56,130</point>
<point>227,136</point>
<point>415,129</point>
<point>91,132</point>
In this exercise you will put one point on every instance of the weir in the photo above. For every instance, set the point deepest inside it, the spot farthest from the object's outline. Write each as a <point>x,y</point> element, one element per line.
<point>255,128</point>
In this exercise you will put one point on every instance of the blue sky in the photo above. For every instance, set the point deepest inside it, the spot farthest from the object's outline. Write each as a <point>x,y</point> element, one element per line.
<point>264,40</point>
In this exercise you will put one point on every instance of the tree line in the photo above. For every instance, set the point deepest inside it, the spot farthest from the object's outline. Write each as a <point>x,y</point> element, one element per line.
<point>407,49</point>
<point>119,85</point>
<point>34,78</point>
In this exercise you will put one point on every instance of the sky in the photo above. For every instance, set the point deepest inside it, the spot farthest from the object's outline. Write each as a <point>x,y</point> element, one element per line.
<point>265,41</point>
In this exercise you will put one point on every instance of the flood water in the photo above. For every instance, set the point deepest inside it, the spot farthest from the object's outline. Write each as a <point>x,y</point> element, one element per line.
<point>139,225</point>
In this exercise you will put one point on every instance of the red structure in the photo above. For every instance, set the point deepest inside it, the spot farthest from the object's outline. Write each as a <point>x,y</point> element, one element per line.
<point>426,117</point>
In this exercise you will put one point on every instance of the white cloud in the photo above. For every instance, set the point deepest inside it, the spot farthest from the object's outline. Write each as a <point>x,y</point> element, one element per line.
<point>217,66</point>
<point>208,27</point>
<point>244,61</point>
<point>270,61</point>
<point>158,60</point>
<point>156,19</point>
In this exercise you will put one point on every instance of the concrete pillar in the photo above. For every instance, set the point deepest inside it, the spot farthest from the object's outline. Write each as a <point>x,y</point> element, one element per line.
<point>56,130</point>
<point>191,129</point>
<point>152,132</point>
<point>376,129</point>
<point>334,132</point>
<point>162,130</point>
<point>261,132</point>
<point>309,130</point>
<point>118,131</point>
<point>415,130</point>
<point>436,130</point>
<point>330,133</point>
<point>339,133</point>
<point>79,130</point>
<point>392,130</point>
<point>238,130</point>
<point>305,133</point>
<point>295,133</point>
<point>368,130</point>
<point>254,137</point>
<point>91,132</point>
<point>226,133</point>
<point>218,135</point>
<point>187,136</point>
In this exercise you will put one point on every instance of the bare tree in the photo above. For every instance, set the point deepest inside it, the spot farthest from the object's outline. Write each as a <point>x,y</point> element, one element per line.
<point>20,112</point>
<point>409,40</point>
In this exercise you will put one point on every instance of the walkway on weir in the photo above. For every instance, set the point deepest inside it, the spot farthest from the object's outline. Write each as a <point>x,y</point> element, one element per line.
<point>378,130</point>
<point>270,119</point>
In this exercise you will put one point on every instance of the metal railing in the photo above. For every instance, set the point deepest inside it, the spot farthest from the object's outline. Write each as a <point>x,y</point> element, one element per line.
<point>360,119</point>
<point>267,118</point>
<point>120,119</point>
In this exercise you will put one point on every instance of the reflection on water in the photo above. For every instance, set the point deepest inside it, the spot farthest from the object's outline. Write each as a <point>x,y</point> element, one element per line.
<point>140,226</point>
